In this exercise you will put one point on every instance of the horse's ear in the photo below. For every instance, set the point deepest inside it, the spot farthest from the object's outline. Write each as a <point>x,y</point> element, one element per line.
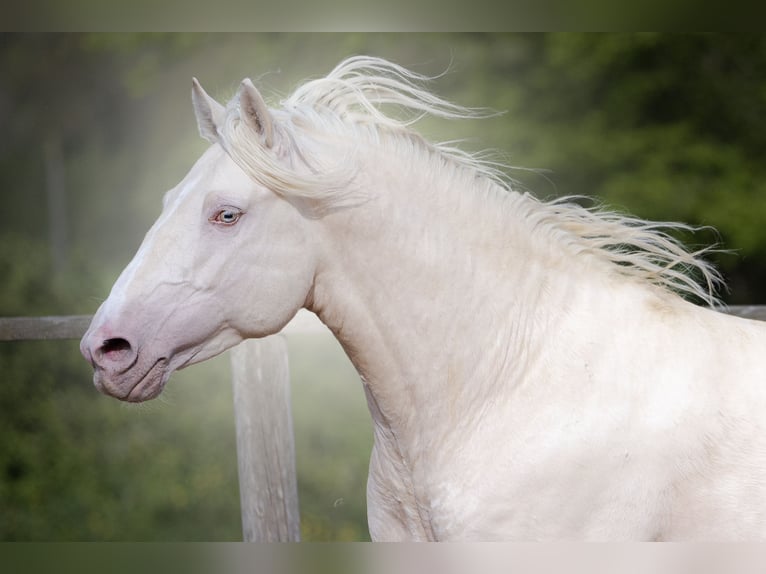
<point>254,112</point>
<point>210,114</point>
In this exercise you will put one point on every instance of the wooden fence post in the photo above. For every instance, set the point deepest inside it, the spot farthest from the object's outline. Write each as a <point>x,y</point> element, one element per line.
<point>265,444</point>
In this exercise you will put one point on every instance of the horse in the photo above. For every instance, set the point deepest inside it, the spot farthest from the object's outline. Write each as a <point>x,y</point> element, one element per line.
<point>534,369</point>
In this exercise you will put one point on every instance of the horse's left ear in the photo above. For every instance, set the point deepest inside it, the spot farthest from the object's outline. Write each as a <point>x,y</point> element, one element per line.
<point>254,112</point>
<point>210,114</point>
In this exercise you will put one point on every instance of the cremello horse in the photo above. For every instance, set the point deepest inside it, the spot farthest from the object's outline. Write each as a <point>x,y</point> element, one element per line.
<point>531,370</point>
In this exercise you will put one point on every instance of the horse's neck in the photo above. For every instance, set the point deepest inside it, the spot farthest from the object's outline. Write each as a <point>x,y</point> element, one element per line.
<point>437,297</point>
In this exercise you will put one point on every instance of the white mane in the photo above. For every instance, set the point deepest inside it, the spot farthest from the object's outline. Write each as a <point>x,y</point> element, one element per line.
<point>349,103</point>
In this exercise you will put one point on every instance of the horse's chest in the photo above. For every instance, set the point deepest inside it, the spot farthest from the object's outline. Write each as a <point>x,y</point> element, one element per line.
<point>397,510</point>
<point>525,490</point>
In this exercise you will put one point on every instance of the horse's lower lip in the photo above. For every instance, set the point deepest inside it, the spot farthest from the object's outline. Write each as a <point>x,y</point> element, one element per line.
<point>150,385</point>
<point>136,388</point>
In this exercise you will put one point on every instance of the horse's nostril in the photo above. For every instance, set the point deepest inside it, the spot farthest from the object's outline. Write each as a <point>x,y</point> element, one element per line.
<point>116,354</point>
<point>115,346</point>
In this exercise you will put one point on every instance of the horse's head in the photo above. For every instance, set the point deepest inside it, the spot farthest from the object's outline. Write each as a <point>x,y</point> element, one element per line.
<point>226,260</point>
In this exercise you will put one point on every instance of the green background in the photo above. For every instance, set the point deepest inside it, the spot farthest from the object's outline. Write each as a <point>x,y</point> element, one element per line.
<point>97,126</point>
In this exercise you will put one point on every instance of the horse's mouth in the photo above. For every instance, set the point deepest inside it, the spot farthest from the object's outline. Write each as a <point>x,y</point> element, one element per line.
<point>151,385</point>
<point>147,387</point>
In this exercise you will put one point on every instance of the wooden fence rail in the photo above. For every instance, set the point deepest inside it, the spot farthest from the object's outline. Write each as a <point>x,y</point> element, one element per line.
<point>74,326</point>
<point>43,328</point>
<point>265,441</point>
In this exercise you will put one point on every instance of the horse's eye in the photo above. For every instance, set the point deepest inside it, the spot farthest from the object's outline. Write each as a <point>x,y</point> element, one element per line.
<point>227,216</point>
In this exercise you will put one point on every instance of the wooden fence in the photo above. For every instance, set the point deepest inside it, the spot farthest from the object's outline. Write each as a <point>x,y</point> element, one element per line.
<point>265,442</point>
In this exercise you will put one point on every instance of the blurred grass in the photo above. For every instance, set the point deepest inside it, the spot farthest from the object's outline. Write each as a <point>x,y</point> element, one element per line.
<point>166,470</point>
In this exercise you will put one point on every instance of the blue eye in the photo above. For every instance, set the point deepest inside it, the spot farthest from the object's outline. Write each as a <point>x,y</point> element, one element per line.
<point>228,216</point>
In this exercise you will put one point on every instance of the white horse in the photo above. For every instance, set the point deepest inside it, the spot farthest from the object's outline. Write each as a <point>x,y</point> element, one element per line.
<point>531,370</point>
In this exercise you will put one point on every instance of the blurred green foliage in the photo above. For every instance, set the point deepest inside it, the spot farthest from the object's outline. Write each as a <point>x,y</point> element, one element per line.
<point>668,127</point>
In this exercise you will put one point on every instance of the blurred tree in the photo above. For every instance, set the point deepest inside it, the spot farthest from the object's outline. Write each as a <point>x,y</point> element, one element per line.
<point>670,127</point>
<point>61,96</point>
<point>46,118</point>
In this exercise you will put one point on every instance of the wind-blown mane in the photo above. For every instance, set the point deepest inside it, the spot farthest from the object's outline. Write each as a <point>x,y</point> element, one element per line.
<point>350,101</point>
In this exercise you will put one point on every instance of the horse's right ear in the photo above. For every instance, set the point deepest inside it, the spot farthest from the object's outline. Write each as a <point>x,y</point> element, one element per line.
<point>210,114</point>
